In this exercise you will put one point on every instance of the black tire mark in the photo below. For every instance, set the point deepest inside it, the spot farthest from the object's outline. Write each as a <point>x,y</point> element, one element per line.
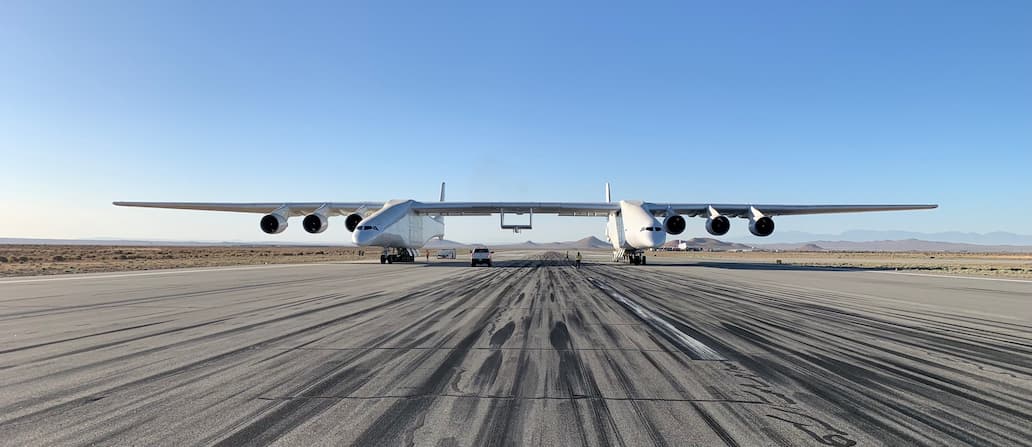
<point>291,414</point>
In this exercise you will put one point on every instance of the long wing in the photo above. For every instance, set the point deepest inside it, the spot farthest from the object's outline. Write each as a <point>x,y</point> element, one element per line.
<point>560,208</point>
<point>745,210</point>
<point>290,208</point>
<point>486,208</point>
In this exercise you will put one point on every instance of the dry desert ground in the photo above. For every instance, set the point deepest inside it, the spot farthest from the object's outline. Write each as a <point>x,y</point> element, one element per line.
<point>1016,265</point>
<point>24,260</point>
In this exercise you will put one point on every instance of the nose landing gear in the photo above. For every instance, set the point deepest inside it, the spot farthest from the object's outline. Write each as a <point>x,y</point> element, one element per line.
<point>399,255</point>
<point>634,257</point>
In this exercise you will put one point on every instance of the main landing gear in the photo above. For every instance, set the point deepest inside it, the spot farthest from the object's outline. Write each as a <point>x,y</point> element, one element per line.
<point>399,255</point>
<point>634,257</point>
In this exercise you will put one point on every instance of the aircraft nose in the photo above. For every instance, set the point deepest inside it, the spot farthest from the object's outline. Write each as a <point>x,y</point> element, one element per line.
<point>364,236</point>
<point>649,238</point>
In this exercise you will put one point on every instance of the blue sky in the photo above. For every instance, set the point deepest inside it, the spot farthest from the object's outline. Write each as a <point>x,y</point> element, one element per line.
<point>786,102</point>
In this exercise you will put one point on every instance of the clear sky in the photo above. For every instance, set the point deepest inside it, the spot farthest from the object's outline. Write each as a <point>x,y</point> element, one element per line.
<point>778,102</point>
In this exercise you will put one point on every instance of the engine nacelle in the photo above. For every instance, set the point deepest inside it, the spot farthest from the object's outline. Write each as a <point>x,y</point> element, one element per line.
<point>273,223</point>
<point>718,226</point>
<point>674,224</point>
<point>351,222</point>
<point>762,227</point>
<point>315,223</point>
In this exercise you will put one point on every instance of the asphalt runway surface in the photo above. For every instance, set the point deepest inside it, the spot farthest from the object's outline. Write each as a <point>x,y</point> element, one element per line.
<point>530,352</point>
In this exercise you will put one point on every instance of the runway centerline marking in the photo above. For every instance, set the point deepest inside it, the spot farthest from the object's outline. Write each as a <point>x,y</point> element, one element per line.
<point>657,322</point>
<point>163,272</point>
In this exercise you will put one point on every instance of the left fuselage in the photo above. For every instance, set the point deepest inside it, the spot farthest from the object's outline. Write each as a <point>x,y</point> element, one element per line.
<point>396,225</point>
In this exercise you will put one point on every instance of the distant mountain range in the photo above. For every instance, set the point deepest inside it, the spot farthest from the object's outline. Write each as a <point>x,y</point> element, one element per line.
<point>896,245</point>
<point>992,238</point>
<point>588,243</point>
<point>711,244</point>
<point>706,243</point>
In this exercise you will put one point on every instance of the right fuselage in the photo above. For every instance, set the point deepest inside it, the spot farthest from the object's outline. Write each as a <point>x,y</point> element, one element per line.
<point>634,227</point>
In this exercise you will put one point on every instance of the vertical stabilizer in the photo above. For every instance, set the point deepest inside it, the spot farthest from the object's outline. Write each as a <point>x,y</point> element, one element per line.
<point>438,217</point>
<point>609,197</point>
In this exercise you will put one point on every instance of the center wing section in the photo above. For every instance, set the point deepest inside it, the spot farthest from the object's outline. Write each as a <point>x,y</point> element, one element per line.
<point>488,208</point>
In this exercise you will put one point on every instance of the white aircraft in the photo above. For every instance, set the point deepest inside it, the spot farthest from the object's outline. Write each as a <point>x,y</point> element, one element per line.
<point>404,225</point>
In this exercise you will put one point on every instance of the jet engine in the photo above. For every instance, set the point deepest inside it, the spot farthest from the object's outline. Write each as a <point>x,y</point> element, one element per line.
<point>763,226</point>
<point>351,222</point>
<point>273,223</point>
<point>718,225</point>
<point>674,224</point>
<point>315,223</point>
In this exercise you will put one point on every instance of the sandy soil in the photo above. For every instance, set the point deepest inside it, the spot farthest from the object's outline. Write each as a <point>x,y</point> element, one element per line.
<point>22,260</point>
<point>25,260</point>
<point>974,264</point>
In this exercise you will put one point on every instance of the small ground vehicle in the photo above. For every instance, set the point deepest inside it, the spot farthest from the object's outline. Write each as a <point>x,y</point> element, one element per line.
<point>480,256</point>
<point>447,253</point>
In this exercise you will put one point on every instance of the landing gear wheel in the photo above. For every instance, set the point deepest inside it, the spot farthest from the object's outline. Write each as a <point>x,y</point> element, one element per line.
<point>383,259</point>
<point>643,260</point>
<point>473,264</point>
<point>390,259</point>
<point>488,263</point>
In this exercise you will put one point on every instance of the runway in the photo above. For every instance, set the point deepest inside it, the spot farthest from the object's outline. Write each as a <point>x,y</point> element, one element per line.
<point>530,352</point>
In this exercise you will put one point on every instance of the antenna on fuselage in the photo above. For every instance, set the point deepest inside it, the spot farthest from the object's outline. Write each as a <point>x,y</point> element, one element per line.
<point>442,191</point>
<point>609,197</point>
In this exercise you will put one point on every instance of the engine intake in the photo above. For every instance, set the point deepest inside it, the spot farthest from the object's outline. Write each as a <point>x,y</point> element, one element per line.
<point>273,223</point>
<point>674,224</point>
<point>351,222</point>
<point>315,223</point>
<point>762,227</point>
<point>718,226</point>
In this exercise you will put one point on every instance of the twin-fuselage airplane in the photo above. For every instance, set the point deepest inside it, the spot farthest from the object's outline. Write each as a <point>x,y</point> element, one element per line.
<point>404,225</point>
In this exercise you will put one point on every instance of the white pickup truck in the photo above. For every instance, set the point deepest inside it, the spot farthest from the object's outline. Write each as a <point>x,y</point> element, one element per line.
<point>480,256</point>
